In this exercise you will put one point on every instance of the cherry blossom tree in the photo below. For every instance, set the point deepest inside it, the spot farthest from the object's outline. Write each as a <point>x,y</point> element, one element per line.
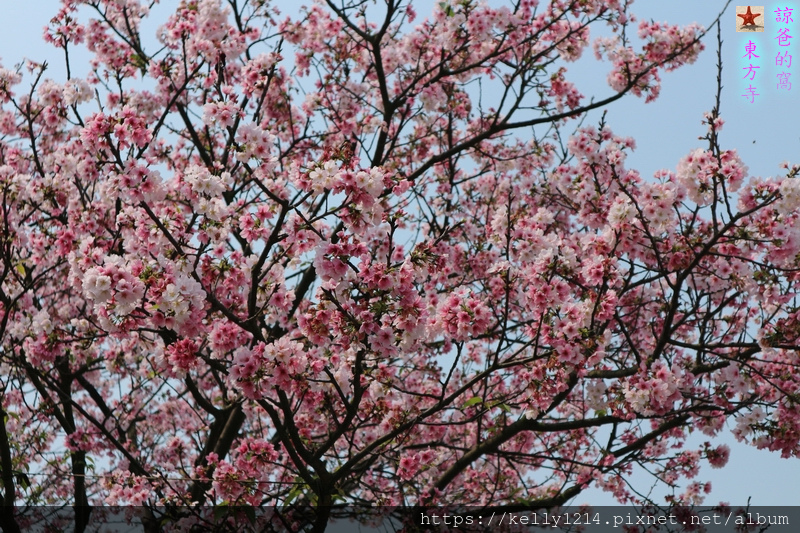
<point>355,257</point>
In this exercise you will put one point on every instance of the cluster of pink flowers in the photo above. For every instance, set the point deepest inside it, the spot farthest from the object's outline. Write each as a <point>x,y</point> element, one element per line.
<point>280,365</point>
<point>698,171</point>
<point>462,315</point>
<point>112,287</point>
<point>256,281</point>
<point>125,488</point>
<point>671,46</point>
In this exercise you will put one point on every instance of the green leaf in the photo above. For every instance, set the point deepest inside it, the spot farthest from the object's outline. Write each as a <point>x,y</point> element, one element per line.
<point>250,513</point>
<point>220,510</point>
<point>503,407</point>
<point>23,480</point>
<point>472,401</point>
<point>293,494</point>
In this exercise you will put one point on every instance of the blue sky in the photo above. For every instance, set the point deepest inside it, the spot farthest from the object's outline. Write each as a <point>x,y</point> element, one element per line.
<point>765,133</point>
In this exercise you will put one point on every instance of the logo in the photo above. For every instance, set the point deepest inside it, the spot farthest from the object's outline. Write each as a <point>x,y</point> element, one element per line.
<point>749,18</point>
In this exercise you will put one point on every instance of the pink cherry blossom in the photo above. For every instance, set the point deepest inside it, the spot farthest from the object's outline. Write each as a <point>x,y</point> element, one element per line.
<point>332,256</point>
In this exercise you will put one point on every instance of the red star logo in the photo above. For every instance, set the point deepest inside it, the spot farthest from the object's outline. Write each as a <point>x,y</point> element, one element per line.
<point>749,18</point>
